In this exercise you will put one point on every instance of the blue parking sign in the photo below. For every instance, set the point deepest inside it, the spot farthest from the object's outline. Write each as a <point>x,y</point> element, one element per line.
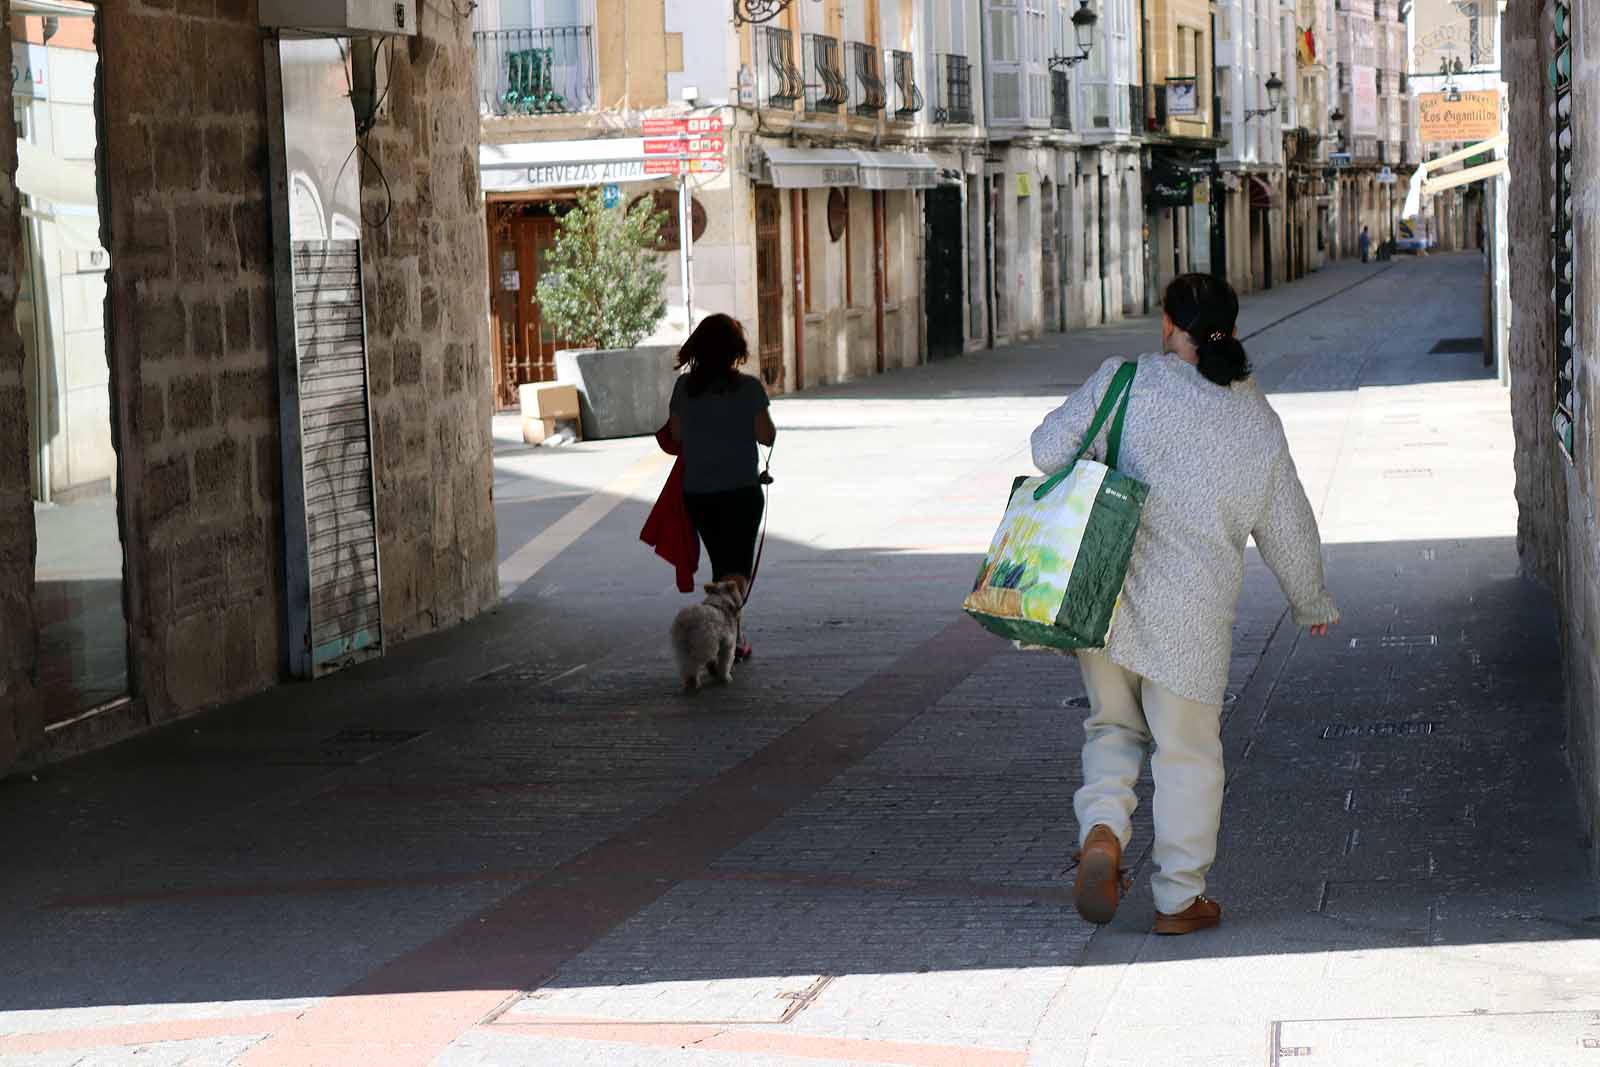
<point>611,195</point>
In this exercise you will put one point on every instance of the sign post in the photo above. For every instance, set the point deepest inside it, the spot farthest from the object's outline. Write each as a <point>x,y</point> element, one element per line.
<point>684,146</point>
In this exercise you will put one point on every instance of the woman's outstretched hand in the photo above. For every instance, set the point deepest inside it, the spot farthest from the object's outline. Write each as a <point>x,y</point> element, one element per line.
<point>1321,629</point>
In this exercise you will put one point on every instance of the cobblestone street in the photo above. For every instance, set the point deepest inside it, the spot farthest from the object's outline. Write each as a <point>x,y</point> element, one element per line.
<point>516,843</point>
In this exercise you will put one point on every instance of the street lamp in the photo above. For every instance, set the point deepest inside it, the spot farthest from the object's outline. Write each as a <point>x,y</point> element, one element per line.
<point>1274,91</point>
<point>1336,116</point>
<point>1083,21</point>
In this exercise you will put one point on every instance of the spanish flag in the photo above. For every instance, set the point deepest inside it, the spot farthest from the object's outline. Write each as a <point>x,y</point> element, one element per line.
<point>1308,48</point>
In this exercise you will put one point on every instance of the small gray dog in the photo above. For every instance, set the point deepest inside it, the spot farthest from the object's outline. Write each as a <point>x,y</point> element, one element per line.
<point>704,635</point>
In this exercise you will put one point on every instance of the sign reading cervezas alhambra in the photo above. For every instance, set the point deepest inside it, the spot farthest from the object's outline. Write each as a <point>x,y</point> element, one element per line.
<point>1475,117</point>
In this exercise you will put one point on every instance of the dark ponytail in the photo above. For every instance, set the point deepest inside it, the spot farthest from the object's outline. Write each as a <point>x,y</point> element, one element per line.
<point>1205,307</point>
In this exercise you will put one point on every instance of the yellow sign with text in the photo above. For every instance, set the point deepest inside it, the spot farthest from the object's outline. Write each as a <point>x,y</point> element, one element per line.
<point>1475,117</point>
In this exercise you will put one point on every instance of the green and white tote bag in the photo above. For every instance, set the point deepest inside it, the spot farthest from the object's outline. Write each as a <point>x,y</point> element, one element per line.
<point>1054,572</point>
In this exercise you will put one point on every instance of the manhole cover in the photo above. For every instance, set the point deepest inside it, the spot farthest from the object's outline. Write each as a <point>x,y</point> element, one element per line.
<point>1457,346</point>
<point>1082,702</point>
<point>1346,731</point>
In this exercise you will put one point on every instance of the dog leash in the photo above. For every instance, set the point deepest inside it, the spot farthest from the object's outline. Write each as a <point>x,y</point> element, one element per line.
<point>766,513</point>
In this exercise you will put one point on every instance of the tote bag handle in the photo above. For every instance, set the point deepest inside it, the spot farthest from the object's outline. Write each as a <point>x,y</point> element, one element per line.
<point>1116,398</point>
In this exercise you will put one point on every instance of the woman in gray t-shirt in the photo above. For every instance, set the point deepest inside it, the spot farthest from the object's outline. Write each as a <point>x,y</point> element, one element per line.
<point>718,417</point>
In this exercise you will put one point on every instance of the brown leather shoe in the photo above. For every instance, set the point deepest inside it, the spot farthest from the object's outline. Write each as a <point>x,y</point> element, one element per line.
<point>1100,883</point>
<point>1203,914</point>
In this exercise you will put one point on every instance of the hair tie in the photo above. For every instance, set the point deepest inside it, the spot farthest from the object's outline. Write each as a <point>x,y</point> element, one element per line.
<point>1219,335</point>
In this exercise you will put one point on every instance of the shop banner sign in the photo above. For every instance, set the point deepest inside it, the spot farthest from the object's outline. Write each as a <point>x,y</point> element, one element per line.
<point>1475,117</point>
<point>1364,120</point>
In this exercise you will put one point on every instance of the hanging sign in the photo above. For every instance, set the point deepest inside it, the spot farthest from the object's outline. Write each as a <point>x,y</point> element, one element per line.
<point>1475,117</point>
<point>1181,96</point>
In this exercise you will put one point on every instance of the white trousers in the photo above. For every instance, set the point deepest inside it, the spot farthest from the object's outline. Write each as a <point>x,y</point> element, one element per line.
<point>1127,713</point>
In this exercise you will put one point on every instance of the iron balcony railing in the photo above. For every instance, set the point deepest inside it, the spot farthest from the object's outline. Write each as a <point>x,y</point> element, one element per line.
<point>779,83</point>
<point>952,84</point>
<point>537,71</point>
<point>866,74</point>
<point>825,88</point>
<point>1060,100</point>
<point>908,97</point>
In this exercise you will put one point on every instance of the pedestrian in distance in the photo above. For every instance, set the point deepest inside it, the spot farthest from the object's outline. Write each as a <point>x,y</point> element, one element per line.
<point>718,417</point>
<point>1366,244</point>
<point>1200,433</point>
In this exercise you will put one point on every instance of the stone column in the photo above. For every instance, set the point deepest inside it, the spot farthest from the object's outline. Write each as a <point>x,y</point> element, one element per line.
<point>20,725</point>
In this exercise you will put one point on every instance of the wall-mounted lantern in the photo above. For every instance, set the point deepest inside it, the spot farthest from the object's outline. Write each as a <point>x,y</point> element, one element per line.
<point>1083,21</point>
<point>1274,93</point>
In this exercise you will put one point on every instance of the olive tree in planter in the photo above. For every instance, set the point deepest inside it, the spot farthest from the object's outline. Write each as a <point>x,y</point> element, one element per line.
<point>603,289</point>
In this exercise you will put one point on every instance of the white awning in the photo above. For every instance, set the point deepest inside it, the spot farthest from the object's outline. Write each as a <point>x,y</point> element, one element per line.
<point>45,177</point>
<point>528,165</point>
<point>898,170</point>
<point>812,168</point>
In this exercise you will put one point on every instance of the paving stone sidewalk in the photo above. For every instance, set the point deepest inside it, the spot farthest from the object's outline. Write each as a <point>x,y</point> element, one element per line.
<point>515,844</point>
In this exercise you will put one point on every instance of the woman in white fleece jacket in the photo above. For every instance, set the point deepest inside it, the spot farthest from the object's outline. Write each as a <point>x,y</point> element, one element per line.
<point>1200,433</point>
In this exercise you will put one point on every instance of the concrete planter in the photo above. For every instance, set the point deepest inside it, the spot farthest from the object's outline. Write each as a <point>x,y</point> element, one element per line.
<point>622,392</point>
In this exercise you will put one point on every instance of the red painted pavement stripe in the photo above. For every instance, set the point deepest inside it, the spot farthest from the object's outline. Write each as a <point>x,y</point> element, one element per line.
<point>142,1033</point>
<point>519,943</point>
<point>771,1043</point>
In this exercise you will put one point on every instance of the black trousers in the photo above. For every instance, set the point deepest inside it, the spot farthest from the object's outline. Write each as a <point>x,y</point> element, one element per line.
<point>728,523</point>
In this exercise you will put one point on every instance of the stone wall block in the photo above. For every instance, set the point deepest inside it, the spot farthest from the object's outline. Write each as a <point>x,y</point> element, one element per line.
<point>222,248</point>
<point>150,417</point>
<point>252,230</point>
<point>190,404</point>
<point>222,476</point>
<point>247,394</point>
<point>268,472</point>
<point>165,491</point>
<point>205,330</point>
<point>161,326</point>
<point>238,322</point>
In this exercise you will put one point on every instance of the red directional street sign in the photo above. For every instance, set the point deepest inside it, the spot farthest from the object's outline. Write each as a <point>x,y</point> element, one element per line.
<point>666,146</point>
<point>684,166</point>
<point>691,127</point>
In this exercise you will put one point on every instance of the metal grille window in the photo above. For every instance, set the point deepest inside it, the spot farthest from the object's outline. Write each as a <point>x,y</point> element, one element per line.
<point>536,72</point>
<point>1563,263</point>
<point>866,80</point>
<point>954,84</point>
<point>908,99</point>
<point>825,89</point>
<point>779,83</point>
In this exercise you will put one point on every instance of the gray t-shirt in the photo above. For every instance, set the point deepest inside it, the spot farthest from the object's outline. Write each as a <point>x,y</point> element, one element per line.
<point>718,429</point>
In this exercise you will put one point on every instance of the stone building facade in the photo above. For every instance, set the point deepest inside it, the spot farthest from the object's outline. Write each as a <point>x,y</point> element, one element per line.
<point>184,210</point>
<point>1557,479</point>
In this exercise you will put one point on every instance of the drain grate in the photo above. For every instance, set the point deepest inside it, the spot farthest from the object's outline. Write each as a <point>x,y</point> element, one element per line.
<point>1347,731</point>
<point>1457,346</point>
<point>1396,641</point>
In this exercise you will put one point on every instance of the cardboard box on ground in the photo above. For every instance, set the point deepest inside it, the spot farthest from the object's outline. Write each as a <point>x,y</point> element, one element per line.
<point>549,411</point>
